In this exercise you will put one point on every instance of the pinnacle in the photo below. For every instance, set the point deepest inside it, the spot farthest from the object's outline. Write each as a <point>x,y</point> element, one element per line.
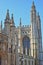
<point>7,15</point>
<point>12,17</point>
<point>20,21</point>
<point>7,10</point>
<point>33,6</point>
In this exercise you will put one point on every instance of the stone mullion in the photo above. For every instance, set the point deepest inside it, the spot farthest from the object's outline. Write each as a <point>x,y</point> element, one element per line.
<point>20,44</point>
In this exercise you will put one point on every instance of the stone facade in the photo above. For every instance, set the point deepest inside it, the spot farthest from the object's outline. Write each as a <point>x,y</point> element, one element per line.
<point>21,45</point>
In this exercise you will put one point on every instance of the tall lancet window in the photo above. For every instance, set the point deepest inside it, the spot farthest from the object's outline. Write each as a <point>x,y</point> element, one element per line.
<point>26,45</point>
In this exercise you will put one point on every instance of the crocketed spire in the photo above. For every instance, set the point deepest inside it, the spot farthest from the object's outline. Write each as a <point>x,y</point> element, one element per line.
<point>7,15</point>
<point>33,6</point>
<point>12,21</point>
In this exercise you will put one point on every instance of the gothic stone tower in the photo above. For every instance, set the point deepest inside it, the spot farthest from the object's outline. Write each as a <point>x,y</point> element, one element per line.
<point>23,42</point>
<point>36,39</point>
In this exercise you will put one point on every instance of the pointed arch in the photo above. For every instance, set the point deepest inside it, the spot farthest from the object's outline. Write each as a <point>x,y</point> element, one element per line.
<point>26,44</point>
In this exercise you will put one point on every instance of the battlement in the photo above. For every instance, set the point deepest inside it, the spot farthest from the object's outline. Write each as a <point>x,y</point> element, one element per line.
<point>24,26</point>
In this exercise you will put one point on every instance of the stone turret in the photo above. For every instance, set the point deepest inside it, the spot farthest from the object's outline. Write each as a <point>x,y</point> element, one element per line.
<point>39,31</point>
<point>34,33</point>
<point>7,17</point>
<point>7,23</point>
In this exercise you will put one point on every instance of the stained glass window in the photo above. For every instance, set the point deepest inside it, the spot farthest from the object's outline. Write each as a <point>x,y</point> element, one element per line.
<point>26,42</point>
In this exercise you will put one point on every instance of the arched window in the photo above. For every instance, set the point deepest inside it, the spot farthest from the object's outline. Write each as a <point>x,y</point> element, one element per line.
<point>26,44</point>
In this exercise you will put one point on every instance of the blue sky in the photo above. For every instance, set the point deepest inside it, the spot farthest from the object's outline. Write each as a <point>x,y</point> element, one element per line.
<point>21,8</point>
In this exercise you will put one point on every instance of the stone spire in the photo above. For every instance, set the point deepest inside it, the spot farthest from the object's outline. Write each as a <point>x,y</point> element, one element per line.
<point>33,12</point>
<point>39,31</point>
<point>20,22</point>
<point>33,7</point>
<point>12,20</point>
<point>7,15</point>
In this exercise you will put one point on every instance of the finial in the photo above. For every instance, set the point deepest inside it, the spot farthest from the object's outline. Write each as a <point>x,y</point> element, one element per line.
<point>33,6</point>
<point>7,15</point>
<point>12,19</point>
<point>7,10</point>
<point>33,2</point>
<point>20,21</point>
